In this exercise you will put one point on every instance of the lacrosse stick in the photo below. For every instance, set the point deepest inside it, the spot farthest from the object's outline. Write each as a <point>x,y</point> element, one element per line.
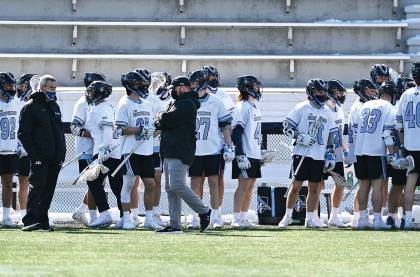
<point>92,171</point>
<point>158,79</point>
<point>313,132</point>
<point>34,82</point>
<point>76,158</point>
<point>128,156</point>
<point>350,191</point>
<point>267,156</point>
<point>393,75</point>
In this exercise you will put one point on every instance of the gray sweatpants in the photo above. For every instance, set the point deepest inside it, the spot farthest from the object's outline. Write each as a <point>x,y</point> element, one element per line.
<point>177,189</point>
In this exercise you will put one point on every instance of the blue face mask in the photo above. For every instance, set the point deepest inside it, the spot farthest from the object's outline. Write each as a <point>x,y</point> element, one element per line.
<point>51,95</point>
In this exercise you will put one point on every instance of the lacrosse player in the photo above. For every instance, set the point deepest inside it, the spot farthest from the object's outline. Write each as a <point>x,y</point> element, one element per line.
<point>105,150</point>
<point>379,73</point>
<point>84,146</point>
<point>24,88</point>
<point>213,128</point>
<point>337,95</point>
<point>246,136</point>
<point>312,125</point>
<point>398,176</point>
<point>9,113</point>
<point>134,122</point>
<point>367,91</point>
<point>213,85</point>
<point>375,125</point>
<point>408,125</point>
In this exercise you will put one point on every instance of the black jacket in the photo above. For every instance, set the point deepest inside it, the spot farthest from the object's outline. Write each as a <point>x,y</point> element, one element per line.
<point>177,126</point>
<point>41,130</point>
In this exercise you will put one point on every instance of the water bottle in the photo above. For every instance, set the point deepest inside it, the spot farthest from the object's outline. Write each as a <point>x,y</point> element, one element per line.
<point>349,180</point>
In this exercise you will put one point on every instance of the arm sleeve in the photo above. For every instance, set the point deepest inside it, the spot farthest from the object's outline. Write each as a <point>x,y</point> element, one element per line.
<point>399,120</point>
<point>26,125</point>
<point>389,118</point>
<point>183,112</point>
<point>237,140</point>
<point>224,117</point>
<point>293,118</point>
<point>122,118</point>
<point>79,114</point>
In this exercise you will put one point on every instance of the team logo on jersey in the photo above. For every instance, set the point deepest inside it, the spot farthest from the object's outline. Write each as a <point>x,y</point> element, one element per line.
<point>140,113</point>
<point>5,113</point>
<point>203,113</point>
<point>257,118</point>
<point>312,117</point>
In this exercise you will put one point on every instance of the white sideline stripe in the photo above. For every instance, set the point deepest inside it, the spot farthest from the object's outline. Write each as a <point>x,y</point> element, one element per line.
<point>336,57</point>
<point>396,24</point>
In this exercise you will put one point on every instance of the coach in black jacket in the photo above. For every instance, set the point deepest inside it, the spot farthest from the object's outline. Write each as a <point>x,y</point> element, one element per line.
<point>42,136</point>
<point>177,125</point>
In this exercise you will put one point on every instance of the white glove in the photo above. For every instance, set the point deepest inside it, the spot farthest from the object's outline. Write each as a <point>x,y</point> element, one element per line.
<point>147,131</point>
<point>243,162</point>
<point>305,139</point>
<point>104,154</point>
<point>21,151</point>
<point>329,161</point>
<point>267,156</point>
<point>229,153</point>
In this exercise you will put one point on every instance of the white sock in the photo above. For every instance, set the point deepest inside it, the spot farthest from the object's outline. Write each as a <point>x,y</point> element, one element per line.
<point>82,208</point>
<point>362,214</point>
<point>237,217</point>
<point>23,212</point>
<point>400,212</point>
<point>126,215</point>
<point>334,212</point>
<point>134,212</point>
<point>214,214</point>
<point>315,216</point>
<point>377,216</point>
<point>289,212</point>
<point>383,211</point>
<point>6,213</point>
<point>408,216</point>
<point>243,216</point>
<point>309,215</point>
<point>92,214</point>
<point>156,211</point>
<point>149,215</point>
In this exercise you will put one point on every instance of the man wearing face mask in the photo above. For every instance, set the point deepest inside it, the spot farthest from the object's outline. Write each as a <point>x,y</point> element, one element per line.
<point>177,147</point>
<point>42,136</point>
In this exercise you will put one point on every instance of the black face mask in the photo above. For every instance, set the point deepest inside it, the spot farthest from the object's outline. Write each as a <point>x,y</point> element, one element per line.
<point>213,83</point>
<point>173,93</point>
<point>341,99</point>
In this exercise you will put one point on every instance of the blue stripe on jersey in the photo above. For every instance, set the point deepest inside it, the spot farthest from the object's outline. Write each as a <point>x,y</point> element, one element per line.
<point>291,122</point>
<point>105,123</point>
<point>241,123</point>
<point>399,118</point>
<point>121,123</point>
<point>389,127</point>
<point>226,118</point>
<point>78,120</point>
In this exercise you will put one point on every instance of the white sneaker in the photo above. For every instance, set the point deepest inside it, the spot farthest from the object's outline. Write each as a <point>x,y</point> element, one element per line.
<point>285,222</point>
<point>246,223</point>
<point>378,224</point>
<point>336,221</point>
<point>129,225</point>
<point>151,225</point>
<point>103,221</point>
<point>136,220</point>
<point>7,222</point>
<point>218,224</point>
<point>119,224</point>
<point>408,226</point>
<point>159,221</point>
<point>311,224</point>
<point>362,223</point>
<point>319,222</point>
<point>195,223</point>
<point>236,224</point>
<point>80,216</point>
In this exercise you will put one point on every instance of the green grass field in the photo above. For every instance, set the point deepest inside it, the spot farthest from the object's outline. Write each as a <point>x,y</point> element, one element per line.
<point>270,252</point>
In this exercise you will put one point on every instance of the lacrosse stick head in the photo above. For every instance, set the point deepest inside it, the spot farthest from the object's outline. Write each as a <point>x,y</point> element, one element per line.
<point>268,155</point>
<point>158,79</point>
<point>93,172</point>
<point>338,179</point>
<point>34,83</point>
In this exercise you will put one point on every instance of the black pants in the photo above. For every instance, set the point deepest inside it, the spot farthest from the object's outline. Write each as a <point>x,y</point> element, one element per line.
<point>43,179</point>
<point>97,189</point>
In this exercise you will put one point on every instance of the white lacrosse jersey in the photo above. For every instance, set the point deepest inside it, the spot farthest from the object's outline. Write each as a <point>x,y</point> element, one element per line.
<point>338,113</point>
<point>354,113</point>
<point>226,99</point>
<point>158,106</point>
<point>80,113</point>
<point>373,118</point>
<point>408,114</point>
<point>208,133</point>
<point>102,116</point>
<point>302,117</point>
<point>9,125</point>
<point>249,117</point>
<point>135,113</point>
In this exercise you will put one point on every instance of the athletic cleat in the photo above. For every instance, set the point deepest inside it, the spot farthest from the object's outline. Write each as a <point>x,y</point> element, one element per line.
<point>205,221</point>
<point>159,221</point>
<point>46,228</point>
<point>395,223</point>
<point>336,221</point>
<point>319,222</point>
<point>151,225</point>
<point>8,223</point>
<point>236,224</point>
<point>136,220</point>
<point>378,224</point>
<point>169,230</point>
<point>31,227</point>
<point>311,224</point>
<point>81,217</point>
<point>119,224</point>
<point>246,223</point>
<point>218,224</point>
<point>103,221</point>
<point>362,223</point>
<point>129,225</point>
<point>408,226</point>
<point>285,222</point>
